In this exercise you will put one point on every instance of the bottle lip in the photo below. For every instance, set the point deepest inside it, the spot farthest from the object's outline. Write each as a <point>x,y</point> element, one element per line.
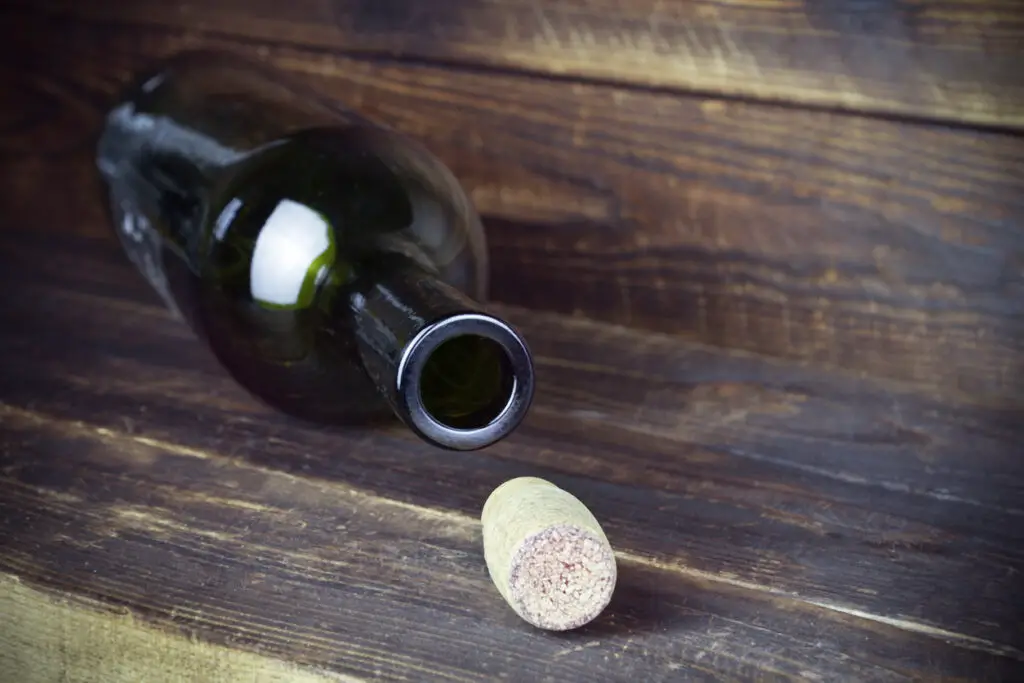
<point>414,358</point>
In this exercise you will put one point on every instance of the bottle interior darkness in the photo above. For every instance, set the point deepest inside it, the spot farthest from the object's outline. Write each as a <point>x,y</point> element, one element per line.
<point>333,267</point>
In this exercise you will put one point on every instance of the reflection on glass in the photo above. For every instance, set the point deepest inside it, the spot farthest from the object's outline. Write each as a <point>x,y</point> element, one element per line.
<point>292,254</point>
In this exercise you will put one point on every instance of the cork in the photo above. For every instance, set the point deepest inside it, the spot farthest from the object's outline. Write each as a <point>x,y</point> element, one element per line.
<point>547,554</point>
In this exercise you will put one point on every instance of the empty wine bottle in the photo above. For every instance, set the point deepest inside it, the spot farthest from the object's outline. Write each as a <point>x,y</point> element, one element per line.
<point>334,267</point>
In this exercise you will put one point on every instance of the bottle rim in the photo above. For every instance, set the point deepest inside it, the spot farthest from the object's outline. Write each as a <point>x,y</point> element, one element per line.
<point>418,352</point>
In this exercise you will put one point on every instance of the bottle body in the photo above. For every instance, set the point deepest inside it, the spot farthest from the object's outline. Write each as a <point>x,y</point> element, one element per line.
<point>320,256</point>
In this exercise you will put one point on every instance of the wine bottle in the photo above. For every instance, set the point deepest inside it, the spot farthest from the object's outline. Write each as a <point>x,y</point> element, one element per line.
<point>335,267</point>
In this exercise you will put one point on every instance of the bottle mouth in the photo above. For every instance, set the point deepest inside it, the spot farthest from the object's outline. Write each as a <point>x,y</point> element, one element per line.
<point>465,382</point>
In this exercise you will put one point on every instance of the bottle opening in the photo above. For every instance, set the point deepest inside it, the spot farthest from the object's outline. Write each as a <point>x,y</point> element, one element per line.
<point>464,382</point>
<point>467,382</point>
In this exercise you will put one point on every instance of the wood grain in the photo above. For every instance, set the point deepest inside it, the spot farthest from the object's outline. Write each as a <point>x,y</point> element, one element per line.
<point>49,638</point>
<point>766,480</point>
<point>877,248</point>
<point>318,573</point>
<point>943,59</point>
<point>845,504</point>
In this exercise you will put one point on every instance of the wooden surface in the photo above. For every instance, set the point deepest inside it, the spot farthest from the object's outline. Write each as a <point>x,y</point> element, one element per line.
<point>110,646</point>
<point>940,59</point>
<point>779,357</point>
<point>885,249</point>
<point>769,519</point>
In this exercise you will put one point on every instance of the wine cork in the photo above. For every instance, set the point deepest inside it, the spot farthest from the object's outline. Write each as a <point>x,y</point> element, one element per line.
<point>547,555</point>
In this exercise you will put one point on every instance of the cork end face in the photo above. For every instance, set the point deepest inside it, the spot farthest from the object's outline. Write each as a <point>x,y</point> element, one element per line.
<point>561,578</point>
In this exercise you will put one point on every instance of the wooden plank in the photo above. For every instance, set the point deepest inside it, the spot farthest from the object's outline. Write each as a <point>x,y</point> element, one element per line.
<point>876,248</point>
<point>314,572</point>
<point>778,479</point>
<point>941,59</point>
<point>55,638</point>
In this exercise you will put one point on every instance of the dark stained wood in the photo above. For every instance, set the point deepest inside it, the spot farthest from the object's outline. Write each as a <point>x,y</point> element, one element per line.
<point>877,248</point>
<point>320,573</point>
<point>944,59</point>
<point>780,351</point>
<point>770,518</point>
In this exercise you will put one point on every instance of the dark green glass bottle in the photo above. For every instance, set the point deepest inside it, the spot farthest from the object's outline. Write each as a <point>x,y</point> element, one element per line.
<point>334,267</point>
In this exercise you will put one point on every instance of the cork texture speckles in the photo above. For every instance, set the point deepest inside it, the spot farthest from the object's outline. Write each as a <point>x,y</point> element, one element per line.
<point>562,577</point>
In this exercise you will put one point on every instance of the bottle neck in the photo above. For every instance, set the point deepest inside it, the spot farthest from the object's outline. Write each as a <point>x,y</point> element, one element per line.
<point>459,377</point>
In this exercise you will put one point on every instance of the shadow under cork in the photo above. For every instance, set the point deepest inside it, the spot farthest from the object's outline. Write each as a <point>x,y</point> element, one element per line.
<point>640,604</point>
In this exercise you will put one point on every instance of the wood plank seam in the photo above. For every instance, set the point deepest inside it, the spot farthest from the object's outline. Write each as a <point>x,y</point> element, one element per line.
<point>470,524</point>
<point>385,57</point>
<point>866,254</point>
<point>701,49</point>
